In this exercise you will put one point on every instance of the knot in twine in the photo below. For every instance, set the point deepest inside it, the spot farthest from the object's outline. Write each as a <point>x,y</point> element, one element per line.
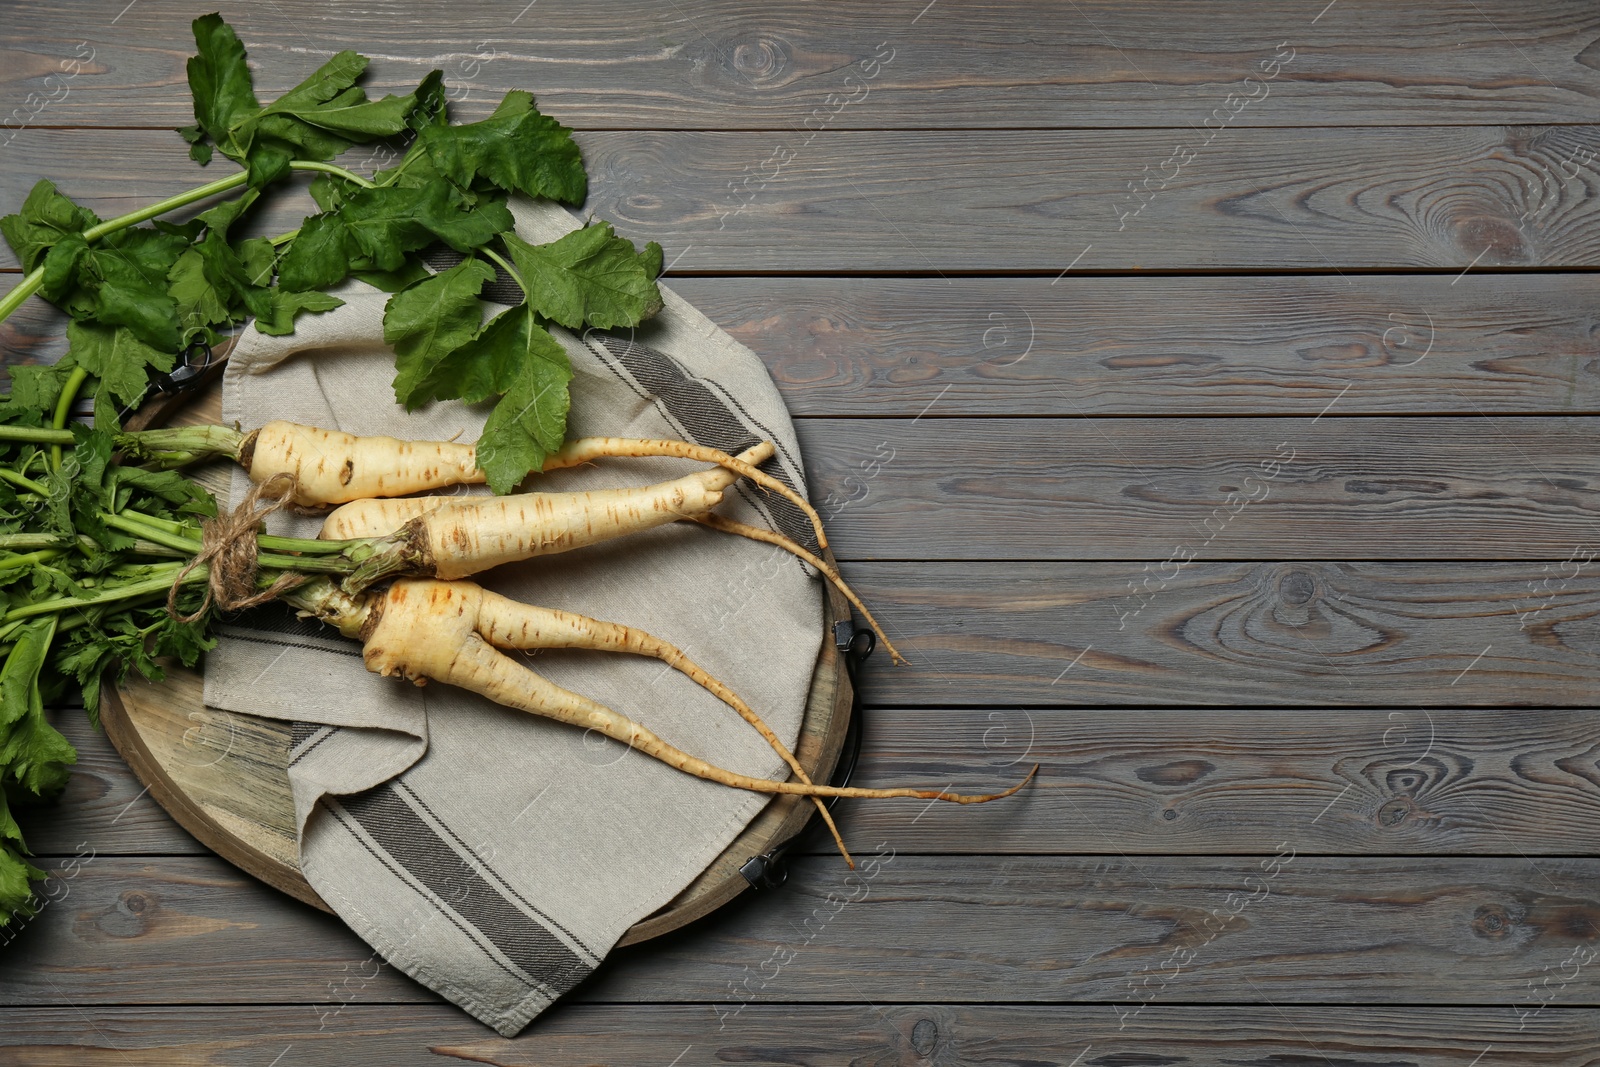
<point>228,544</point>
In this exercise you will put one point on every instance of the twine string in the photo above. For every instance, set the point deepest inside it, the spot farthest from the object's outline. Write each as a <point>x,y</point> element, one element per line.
<point>228,545</point>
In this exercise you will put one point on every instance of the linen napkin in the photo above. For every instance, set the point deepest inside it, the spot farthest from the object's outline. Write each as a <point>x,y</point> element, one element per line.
<point>494,856</point>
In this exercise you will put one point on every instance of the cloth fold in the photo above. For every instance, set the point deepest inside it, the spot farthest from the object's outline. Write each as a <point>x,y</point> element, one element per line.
<point>494,856</point>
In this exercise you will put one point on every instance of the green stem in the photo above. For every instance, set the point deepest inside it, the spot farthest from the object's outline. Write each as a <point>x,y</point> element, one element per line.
<point>13,542</point>
<point>38,435</point>
<point>301,544</point>
<point>508,268</point>
<point>159,583</point>
<point>159,523</point>
<point>171,203</point>
<point>9,475</point>
<point>177,445</point>
<point>29,541</point>
<point>35,278</point>
<point>305,564</point>
<point>69,393</point>
<point>29,558</point>
<point>128,524</point>
<point>135,523</point>
<point>329,168</point>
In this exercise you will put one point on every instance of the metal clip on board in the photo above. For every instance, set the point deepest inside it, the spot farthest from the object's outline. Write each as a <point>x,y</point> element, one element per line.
<point>771,869</point>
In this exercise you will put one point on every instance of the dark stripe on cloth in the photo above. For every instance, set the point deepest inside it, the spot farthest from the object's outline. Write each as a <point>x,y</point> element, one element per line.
<point>453,878</point>
<point>261,637</point>
<point>462,847</point>
<point>708,420</point>
<point>342,817</point>
<point>278,618</point>
<point>299,739</point>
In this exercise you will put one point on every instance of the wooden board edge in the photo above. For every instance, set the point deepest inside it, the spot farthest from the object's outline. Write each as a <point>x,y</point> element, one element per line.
<point>792,813</point>
<point>130,745</point>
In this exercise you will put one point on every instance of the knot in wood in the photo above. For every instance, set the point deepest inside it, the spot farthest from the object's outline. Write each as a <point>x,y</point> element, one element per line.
<point>1297,587</point>
<point>1491,922</point>
<point>758,59</point>
<point>924,1037</point>
<point>1394,812</point>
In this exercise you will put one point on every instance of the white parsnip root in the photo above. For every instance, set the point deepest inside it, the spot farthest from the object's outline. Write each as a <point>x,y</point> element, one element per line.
<point>333,467</point>
<point>507,623</point>
<point>422,630</point>
<point>445,629</point>
<point>456,536</point>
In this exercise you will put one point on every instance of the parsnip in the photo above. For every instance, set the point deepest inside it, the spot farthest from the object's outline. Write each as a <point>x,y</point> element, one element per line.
<point>419,631</point>
<point>333,467</point>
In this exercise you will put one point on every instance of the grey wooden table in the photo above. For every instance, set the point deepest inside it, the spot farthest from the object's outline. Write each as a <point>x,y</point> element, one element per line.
<point>1205,394</point>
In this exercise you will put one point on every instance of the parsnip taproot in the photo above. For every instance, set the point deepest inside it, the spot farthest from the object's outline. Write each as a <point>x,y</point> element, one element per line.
<point>446,525</point>
<point>419,631</point>
<point>333,467</point>
<point>466,535</point>
<point>511,624</point>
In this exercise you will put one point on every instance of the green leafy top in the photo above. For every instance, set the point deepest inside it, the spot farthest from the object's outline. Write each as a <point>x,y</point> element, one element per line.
<point>139,294</point>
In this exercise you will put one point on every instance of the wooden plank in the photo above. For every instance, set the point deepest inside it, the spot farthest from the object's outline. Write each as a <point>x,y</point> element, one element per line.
<point>1364,781</point>
<point>1373,781</point>
<point>581,1035</point>
<point>1205,489</point>
<point>1490,343</point>
<point>1311,633</point>
<point>904,929</point>
<point>186,930</point>
<point>1166,346</point>
<point>104,808</point>
<point>741,64</point>
<point>1014,200</point>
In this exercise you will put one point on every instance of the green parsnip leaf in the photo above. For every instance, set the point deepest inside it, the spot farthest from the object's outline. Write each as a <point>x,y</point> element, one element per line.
<point>36,755</point>
<point>319,256</point>
<point>285,305</point>
<point>589,277</point>
<point>516,148</point>
<point>16,894</point>
<point>198,302</point>
<point>530,421</point>
<point>219,80</point>
<point>430,320</point>
<point>492,362</point>
<point>46,217</point>
<point>117,357</point>
<point>386,223</point>
<point>374,229</point>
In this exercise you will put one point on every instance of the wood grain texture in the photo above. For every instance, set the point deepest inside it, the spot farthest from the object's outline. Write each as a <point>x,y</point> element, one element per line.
<point>1168,346</point>
<point>1147,781</point>
<point>104,807</point>
<point>581,1035</point>
<point>968,239</point>
<point>1378,634</point>
<point>741,64</point>
<point>1233,488</point>
<point>1142,782</point>
<point>1488,343</point>
<point>903,929</point>
<point>211,932</point>
<point>1438,198</point>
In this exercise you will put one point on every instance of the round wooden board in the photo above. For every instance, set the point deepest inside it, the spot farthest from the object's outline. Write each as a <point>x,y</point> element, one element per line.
<point>223,776</point>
